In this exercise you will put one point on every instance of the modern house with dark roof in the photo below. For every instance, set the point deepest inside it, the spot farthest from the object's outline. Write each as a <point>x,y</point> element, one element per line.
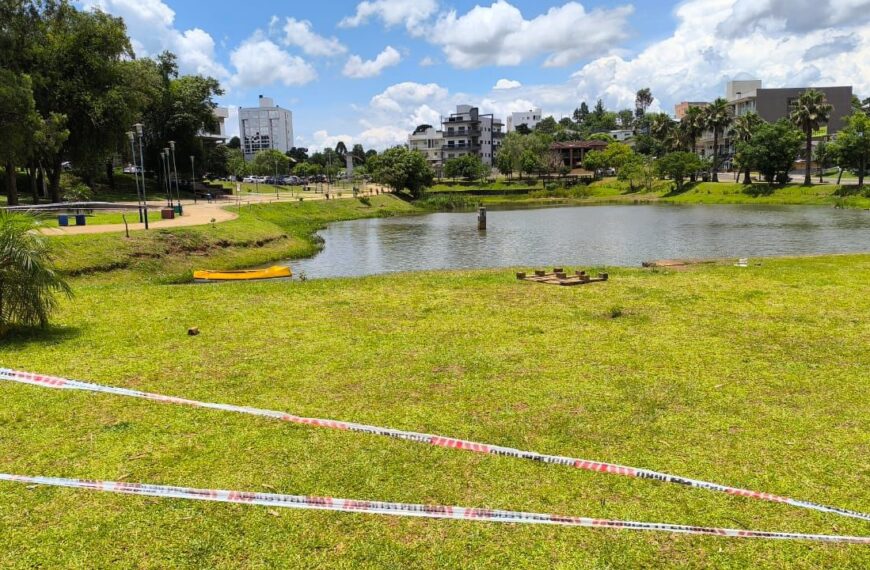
<point>573,152</point>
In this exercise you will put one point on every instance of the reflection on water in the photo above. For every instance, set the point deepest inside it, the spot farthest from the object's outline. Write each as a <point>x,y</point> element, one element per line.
<point>599,235</point>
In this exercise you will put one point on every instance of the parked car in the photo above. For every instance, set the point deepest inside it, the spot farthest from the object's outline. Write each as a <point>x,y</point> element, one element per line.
<point>250,179</point>
<point>130,169</point>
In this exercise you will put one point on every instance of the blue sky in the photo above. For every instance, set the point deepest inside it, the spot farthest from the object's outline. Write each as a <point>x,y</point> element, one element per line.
<point>369,71</point>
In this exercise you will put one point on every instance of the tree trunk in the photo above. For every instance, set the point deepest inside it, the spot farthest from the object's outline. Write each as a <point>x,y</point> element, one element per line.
<point>11,185</point>
<point>54,171</point>
<point>839,175</point>
<point>32,172</point>
<point>715,155</point>
<point>110,173</point>
<point>808,176</point>
<point>861,168</point>
<point>747,178</point>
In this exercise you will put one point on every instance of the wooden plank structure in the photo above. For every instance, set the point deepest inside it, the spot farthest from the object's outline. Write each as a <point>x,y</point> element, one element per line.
<point>560,277</point>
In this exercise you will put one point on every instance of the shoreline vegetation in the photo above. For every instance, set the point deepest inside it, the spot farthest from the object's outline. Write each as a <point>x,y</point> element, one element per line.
<point>264,233</point>
<point>711,371</point>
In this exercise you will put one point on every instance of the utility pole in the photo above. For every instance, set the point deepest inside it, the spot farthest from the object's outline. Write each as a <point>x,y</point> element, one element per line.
<point>142,161</point>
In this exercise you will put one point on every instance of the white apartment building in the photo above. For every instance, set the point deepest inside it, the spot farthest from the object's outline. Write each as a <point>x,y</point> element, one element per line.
<point>528,118</point>
<point>264,127</point>
<point>467,131</point>
<point>429,142</point>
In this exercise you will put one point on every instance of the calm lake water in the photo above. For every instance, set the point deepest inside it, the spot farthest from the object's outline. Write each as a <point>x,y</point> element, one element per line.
<point>590,235</point>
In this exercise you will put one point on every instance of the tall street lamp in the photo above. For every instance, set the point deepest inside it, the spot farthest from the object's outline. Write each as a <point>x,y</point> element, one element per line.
<point>164,155</point>
<point>132,136</point>
<point>193,177</point>
<point>175,169</point>
<point>139,129</point>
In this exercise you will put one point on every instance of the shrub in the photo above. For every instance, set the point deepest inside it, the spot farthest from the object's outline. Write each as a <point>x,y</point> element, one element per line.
<point>28,280</point>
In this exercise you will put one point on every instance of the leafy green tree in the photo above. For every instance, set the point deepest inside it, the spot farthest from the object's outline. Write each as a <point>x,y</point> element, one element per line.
<point>298,154</point>
<point>523,129</point>
<point>661,127</point>
<point>359,154</point>
<point>18,120</point>
<point>743,130</point>
<point>270,162</point>
<point>822,155</point>
<point>547,125</point>
<point>771,150</point>
<point>306,169</point>
<point>28,282</point>
<point>581,113</point>
<point>82,67</point>
<point>507,159</point>
<point>341,149</point>
<point>852,147</point>
<point>401,168</point>
<point>677,166</point>
<point>638,171</point>
<point>717,118</point>
<point>468,166</point>
<point>236,164</point>
<point>808,115</point>
<point>625,117</point>
<point>642,100</point>
<point>235,142</point>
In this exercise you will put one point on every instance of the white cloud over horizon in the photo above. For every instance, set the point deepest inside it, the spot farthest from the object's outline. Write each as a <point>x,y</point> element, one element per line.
<point>358,68</point>
<point>259,62</point>
<point>300,33</point>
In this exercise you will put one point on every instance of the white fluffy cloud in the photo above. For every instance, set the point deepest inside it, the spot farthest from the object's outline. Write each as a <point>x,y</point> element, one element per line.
<point>150,24</point>
<point>301,34</point>
<point>410,13</point>
<point>427,62</point>
<point>500,35</point>
<point>359,69</point>
<point>396,97</point>
<point>793,15</point>
<point>695,62</point>
<point>507,84</point>
<point>260,62</point>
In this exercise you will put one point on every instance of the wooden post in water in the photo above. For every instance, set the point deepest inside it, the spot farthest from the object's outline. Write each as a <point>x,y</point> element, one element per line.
<point>481,218</point>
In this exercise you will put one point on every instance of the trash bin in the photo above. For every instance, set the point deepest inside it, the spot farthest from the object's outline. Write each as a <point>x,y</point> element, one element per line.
<point>80,220</point>
<point>167,214</point>
<point>63,220</point>
<point>177,209</point>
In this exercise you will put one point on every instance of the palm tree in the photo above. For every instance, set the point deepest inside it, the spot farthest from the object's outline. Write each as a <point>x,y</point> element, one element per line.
<point>28,282</point>
<point>341,149</point>
<point>810,112</point>
<point>661,126</point>
<point>717,118</point>
<point>692,126</point>
<point>743,129</point>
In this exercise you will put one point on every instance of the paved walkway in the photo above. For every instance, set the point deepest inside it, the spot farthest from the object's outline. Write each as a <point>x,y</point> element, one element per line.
<point>198,214</point>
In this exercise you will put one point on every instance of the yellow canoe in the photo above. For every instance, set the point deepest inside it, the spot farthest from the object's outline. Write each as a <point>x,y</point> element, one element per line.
<point>244,274</point>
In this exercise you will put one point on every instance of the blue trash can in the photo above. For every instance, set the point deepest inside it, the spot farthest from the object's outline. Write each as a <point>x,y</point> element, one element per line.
<point>80,220</point>
<point>63,220</point>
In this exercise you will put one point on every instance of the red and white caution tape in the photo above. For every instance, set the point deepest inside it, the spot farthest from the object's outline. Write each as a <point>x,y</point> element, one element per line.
<point>65,383</point>
<point>408,509</point>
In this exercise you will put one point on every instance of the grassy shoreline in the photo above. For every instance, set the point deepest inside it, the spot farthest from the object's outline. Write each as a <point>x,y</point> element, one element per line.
<point>610,191</point>
<point>262,233</point>
<point>753,377</point>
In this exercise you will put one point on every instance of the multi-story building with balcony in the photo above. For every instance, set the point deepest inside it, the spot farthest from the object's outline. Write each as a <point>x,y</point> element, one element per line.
<point>265,127</point>
<point>467,131</point>
<point>427,140</point>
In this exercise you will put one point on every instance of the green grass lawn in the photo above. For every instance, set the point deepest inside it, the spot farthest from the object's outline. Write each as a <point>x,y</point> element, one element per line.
<point>754,377</point>
<point>99,218</point>
<point>262,233</point>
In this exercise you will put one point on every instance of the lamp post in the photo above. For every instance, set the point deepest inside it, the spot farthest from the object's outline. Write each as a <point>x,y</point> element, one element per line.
<point>132,136</point>
<point>138,127</point>
<point>164,155</point>
<point>275,161</point>
<point>175,169</point>
<point>193,178</point>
